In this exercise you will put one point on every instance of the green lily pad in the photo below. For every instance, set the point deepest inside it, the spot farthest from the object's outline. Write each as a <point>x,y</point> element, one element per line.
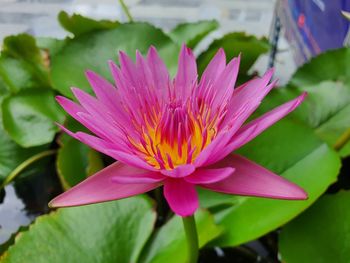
<point>234,44</point>
<point>75,162</point>
<point>192,33</point>
<point>29,117</point>
<point>78,24</point>
<point>17,74</point>
<point>52,45</point>
<point>22,46</point>
<point>22,64</point>
<point>291,150</point>
<point>107,232</point>
<point>326,109</point>
<point>169,243</point>
<point>321,234</point>
<point>12,155</point>
<point>93,50</point>
<point>332,65</point>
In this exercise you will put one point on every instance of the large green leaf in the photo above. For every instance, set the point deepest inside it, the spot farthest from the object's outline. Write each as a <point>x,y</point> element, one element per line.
<point>29,117</point>
<point>52,45</point>
<point>78,24</point>
<point>22,46</point>
<point>169,243</point>
<point>17,74</point>
<point>192,33</point>
<point>12,155</point>
<point>107,232</point>
<point>287,148</point>
<point>93,50</point>
<point>75,162</point>
<point>321,234</point>
<point>332,65</point>
<point>326,108</point>
<point>22,64</point>
<point>234,44</point>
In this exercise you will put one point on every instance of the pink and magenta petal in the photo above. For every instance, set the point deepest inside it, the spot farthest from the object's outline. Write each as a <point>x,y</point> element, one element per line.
<point>257,126</point>
<point>101,188</point>
<point>251,179</point>
<point>249,131</point>
<point>186,74</point>
<point>214,68</point>
<point>144,178</point>
<point>209,176</point>
<point>179,171</point>
<point>181,196</point>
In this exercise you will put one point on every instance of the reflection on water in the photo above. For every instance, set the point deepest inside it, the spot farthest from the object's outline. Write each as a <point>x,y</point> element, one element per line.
<point>27,198</point>
<point>12,214</point>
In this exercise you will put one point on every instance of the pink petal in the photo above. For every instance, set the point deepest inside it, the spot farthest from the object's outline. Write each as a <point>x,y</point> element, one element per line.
<point>179,171</point>
<point>117,75</point>
<point>130,159</point>
<point>181,196</point>
<point>159,71</point>
<point>104,90</point>
<point>144,178</point>
<point>70,107</point>
<point>187,72</point>
<point>224,85</point>
<point>100,187</point>
<point>224,136</point>
<point>109,149</point>
<point>214,68</point>
<point>209,176</point>
<point>253,180</point>
<point>128,68</point>
<point>257,126</point>
<point>250,94</point>
<point>91,104</point>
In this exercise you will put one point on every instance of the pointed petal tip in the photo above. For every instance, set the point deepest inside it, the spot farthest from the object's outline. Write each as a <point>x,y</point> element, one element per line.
<point>51,204</point>
<point>60,99</point>
<point>269,73</point>
<point>152,51</point>
<point>296,193</point>
<point>55,203</point>
<point>89,72</point>
<point>138,53</point>
<point>111,63</point>
<point>303,95</point>
<point>221,51</point>
<point>298,100</point>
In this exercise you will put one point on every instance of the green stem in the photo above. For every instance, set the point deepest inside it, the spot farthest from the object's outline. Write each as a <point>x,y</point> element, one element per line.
<point>24,165</point>
<point>344,138</point>
<point>192,238</point>
<point>126,10</point>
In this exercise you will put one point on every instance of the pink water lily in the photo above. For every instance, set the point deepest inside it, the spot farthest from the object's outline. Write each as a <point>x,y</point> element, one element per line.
<point>177,133</point>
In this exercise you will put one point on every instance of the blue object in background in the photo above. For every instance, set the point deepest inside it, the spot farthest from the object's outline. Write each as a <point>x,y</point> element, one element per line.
<point>313,26</point>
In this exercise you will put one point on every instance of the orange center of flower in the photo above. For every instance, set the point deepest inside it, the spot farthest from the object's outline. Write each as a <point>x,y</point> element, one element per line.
<point>177,134</point>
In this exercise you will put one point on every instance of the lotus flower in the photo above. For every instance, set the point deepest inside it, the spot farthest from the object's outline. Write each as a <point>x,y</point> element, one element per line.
<point>178,133</point>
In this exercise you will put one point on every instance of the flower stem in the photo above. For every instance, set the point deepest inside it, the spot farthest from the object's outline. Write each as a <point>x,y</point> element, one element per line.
<point>344,138</point>
<point>126,10</point>
<point>24,165</point>
<point>192,238</point>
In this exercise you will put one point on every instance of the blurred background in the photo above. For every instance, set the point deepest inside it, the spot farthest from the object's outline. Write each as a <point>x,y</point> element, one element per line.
<point>307,26</point>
